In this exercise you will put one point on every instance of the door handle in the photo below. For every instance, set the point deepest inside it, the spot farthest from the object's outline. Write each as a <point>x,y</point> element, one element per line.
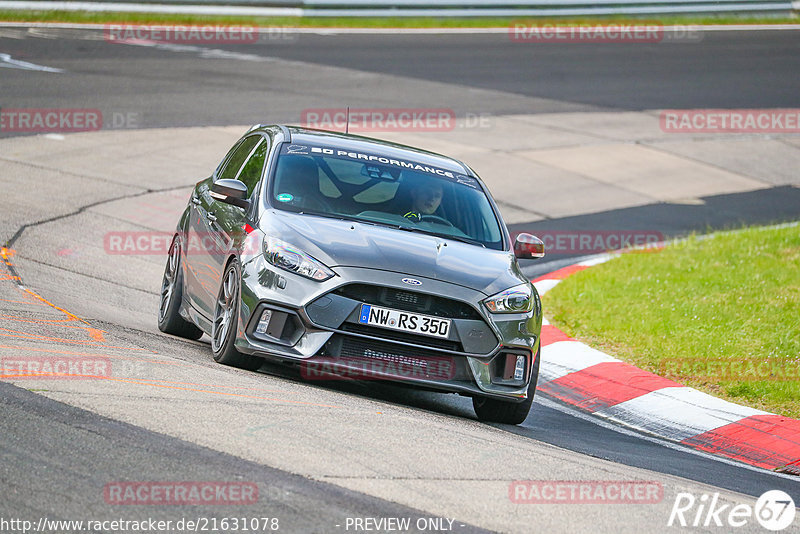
<point>211,216</point>
<point>195,200</point>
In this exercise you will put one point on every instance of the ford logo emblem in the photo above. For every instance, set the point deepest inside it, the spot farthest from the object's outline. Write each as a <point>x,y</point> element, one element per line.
<point>412,281</point>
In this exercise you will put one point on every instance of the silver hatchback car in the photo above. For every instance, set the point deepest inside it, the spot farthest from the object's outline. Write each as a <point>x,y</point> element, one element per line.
<point>360,259</point>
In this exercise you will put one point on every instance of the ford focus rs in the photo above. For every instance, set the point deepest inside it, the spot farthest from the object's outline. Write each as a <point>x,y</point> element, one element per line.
<point>357,258</point>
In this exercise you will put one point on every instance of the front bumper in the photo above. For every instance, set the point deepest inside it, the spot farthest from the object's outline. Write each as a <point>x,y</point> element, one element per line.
<point>315,324</point>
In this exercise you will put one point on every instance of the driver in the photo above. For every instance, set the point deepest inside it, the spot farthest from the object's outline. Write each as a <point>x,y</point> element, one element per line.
<point>425,200</point>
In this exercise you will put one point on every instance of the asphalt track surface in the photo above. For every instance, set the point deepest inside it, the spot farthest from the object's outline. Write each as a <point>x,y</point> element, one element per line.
<point>33,445</point>
<point>722,70</point>
<point>725,70</point>
<point>47,444</point>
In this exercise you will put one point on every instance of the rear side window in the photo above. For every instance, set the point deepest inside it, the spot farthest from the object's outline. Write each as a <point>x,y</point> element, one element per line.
<point>231,168</point>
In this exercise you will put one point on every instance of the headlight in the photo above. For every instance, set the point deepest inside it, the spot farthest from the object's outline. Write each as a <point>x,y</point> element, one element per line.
<point>518,299</point>
<point>287,257</point>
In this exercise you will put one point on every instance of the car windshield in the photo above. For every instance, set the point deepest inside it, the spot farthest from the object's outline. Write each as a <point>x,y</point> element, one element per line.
<point>389,191</point>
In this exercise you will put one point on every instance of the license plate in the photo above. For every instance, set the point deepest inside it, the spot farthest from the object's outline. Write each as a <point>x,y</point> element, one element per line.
<point>404,321</point>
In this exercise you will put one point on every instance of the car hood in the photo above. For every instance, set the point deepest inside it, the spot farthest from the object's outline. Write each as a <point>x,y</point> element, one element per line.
<point>353,244</point>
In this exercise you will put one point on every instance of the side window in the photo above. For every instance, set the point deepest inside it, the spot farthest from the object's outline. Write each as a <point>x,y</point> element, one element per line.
<point>234,163</point>
<point>251,172</point>
<point>227,157</point>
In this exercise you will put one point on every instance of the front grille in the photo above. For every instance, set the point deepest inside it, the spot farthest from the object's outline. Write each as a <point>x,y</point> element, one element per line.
<point>399,298</point>
<point>404,337</point>
<point>410,301</point>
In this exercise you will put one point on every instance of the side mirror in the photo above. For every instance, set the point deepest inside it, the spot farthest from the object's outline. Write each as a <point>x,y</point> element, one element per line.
<point>528,247</point>
<point>231,192</point>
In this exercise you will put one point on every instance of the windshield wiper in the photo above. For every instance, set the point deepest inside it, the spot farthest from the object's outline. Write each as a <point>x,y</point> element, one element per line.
<point>414,229</point>
<point>443,236</point>
<point>336,216</point>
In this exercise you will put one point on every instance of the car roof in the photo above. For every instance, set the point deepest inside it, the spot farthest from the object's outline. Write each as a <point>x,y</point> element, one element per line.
<point>371,145</point>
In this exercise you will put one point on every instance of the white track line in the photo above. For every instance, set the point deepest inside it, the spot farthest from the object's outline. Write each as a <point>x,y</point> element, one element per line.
<point>8,62</point>
<point>622,429</point>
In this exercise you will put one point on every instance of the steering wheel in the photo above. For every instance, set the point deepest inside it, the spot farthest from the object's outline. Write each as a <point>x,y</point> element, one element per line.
<point>435,218</point>
<point>317,203</point>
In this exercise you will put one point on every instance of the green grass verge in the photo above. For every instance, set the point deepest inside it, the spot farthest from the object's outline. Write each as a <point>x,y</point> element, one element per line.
<point>374,22</point>
<point>719,313</point>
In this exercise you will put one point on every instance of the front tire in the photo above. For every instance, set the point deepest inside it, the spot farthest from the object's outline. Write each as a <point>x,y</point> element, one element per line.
<point>169,317</point>
<point>510,413</point>
<point>226,321</point>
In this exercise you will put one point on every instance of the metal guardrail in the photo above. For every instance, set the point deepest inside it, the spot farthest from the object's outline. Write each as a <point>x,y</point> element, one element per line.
<point>475,8</point>
<point>511,8</point>
<point>443,8</point>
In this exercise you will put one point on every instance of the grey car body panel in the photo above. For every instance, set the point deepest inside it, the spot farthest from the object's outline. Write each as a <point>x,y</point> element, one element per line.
<point>360,253</point>
<point>355,244</point>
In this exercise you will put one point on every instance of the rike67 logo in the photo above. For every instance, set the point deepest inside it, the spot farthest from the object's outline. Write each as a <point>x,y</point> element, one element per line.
<point>774,511</point>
